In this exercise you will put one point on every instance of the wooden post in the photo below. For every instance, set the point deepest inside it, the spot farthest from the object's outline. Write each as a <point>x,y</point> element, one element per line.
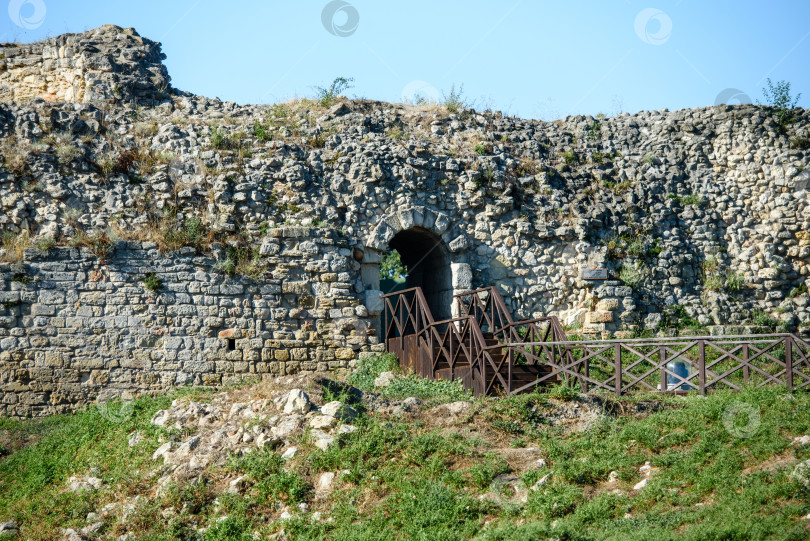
<point>662,357</point>
<point>617,359</point>
<point>702,365</point>
<point>789,362</point>
<point>746,371</point>
<point>587,375</point>
<point>510,358</point>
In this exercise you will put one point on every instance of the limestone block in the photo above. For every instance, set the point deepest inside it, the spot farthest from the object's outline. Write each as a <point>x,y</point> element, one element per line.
<point>461,276</point>
<point>373,301</point>
<point>607,304</point>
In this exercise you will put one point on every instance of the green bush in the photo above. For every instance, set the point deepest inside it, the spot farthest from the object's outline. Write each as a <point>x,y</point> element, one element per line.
<point>272,482</point>
<point>152,282</point>
<point>778,97</point>
<point>326,95</point>
<point>454,101</point>
<point>369,368</point>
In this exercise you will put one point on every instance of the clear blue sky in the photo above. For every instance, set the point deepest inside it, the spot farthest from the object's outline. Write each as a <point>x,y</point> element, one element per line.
<point>531,58</point>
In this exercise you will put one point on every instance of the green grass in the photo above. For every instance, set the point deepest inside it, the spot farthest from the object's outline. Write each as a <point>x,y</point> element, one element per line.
<point>434,391</point>
<point>32,479</point>
<point>408,479</point>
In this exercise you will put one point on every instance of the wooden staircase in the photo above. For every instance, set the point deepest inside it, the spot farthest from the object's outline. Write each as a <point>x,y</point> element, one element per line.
<point>480,348</point>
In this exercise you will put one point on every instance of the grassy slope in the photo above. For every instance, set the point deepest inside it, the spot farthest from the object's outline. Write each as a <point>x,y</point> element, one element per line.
<point>411,480</point>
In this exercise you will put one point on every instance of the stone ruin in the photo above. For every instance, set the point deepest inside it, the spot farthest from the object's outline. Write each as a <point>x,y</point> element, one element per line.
<point>154,238</point>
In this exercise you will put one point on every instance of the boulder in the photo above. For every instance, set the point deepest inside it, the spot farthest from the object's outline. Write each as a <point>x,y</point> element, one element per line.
<point>340,411</point>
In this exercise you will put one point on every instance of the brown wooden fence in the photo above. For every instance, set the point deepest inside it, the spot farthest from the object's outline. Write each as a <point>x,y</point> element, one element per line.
<point>493,354</point>
<point>710,362</point>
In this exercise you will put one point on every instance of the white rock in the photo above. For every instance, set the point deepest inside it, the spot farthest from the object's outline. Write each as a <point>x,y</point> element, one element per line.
<point>543,480</point>
<point>78,484</point>
<point>323,421</point>
<point>198,462</point>
<point>641,484</point>
<point>263,440</point>
<point>412,402</point>
<point>613,476</point>
<point>340,411</point>
<point>646,469</point>
<point>286,515</point>
<point>8,527</point>
<point>384,379</point>
<point>325,443</point>
<point>457,408</point>
<point>184,451</point>
<point>287,426</point>
<point>289,454</point>
<point>346,429</point>
<point>162,450</point>
<point>236,486</point>
<point>135,439</point>
<point>325,482</point>
<point>71,535</point>
<point>295,401</point>
<point>161,418</point>
<point>540,463</point>
<point>236,408</point>
<point>801,473</point>
<point>801,440</point>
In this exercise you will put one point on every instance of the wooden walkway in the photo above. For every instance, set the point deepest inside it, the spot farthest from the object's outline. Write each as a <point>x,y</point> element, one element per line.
<point>491,353</point>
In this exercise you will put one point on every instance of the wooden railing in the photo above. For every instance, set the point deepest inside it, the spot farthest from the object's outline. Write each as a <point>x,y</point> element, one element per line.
<point>710,362</point>
<point>484,347</point>
<point>489,309</point>
<point>423,346</point>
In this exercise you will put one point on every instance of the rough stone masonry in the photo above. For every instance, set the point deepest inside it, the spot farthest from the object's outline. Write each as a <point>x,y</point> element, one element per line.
<point>153,237</point>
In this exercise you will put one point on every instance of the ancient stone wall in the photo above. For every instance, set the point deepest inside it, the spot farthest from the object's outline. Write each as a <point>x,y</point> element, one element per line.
<point>106,64</point>
<point>634,223</point>
<point>71,328</point>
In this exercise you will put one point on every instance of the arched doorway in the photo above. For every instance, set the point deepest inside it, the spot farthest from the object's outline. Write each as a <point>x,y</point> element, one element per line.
<point>428,264</point>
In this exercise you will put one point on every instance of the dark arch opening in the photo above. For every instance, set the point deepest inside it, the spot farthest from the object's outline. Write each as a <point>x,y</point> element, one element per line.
<point>427,259</point>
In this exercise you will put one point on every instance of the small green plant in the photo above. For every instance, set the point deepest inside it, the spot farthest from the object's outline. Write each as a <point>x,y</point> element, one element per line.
<point>272,482</point>
<point>326,95</point>
<point>617,187</point>
<point>595,130</point>
<point>649,158</point>
<point>14,244</point>
<point>563,392</point>
<point>242,259</point>
<point>800,142</point>
<point>67,153</point>
<point>799,290</point>
<point>734,281</point>
<point>98,243</point>
<point>219,138</point>
<point>260,131</point>
<point>632,274</point>
<point>44,244</point>
<point>21,278</point>
<point>397,133</point>
<point>763,319</point>
<point>152,282</point>
<point>570,157</point>
<point>454,101</point>
<point>778,98</point>
<point>693,200</point>
<point>481,148</point>
<point>676,317</point>
<point>369,368</point>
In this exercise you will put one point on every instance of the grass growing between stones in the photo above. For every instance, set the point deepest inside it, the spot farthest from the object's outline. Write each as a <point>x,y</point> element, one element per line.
<point>430,474</point>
